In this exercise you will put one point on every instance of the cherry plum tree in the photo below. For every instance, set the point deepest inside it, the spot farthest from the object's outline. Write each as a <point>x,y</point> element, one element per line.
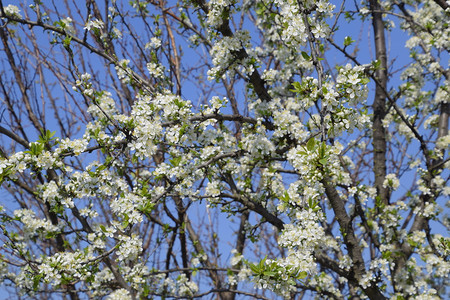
<point>224,149</point>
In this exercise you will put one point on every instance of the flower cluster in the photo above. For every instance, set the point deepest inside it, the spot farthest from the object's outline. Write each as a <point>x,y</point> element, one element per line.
<point>155,70</point>
<point>12,10</point>
<point>391,181</point>
<point>94,24</point>
<point>120,294</point>
<point>154,43</point>
<point>103,106</point>
<point>130,247</point>
<point>34,226</point>
<point>301,238</point>
<point>126,207</point>
<point>351,84</point>
<point>182,287</point>
<point>65,266</point>
<point>216,11</point>
<point>225,55</point>
<point>123,71</point>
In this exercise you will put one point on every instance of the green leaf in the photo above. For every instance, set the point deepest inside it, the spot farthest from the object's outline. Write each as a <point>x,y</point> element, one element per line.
<point>262,263</point>
<point>297,87</point>
<point>176,161</point>
<point>311,144</point>
<point>305,55</point>
<point>348,41</point>
<point>269,273</point>
<point>322,150</point>
<point>349,16</point>
<point>321,48</point>
<point>6,172</point>
<point>302,275</point>
<point>285,197</point>
<point>35,148</point>
<point>376,64</point>
<point>387,254</point>
<point>66,41</point>
<point>254,268</point>
<point>36,281</point>
<point>365,80</point>
<point>179,103</point>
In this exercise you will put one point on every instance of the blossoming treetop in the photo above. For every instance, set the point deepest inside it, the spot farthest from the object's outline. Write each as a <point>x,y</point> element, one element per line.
<point>136,137</point>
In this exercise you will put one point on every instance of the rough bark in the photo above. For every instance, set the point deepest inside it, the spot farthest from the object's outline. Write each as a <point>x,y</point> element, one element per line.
<point>379,105</point>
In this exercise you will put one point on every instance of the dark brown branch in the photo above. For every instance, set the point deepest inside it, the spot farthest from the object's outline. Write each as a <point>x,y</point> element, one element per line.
<point>14,136</point>
<point>442,3</point>
<point>255,78</point>
<point>379,106</point>
<point>350,239</point>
